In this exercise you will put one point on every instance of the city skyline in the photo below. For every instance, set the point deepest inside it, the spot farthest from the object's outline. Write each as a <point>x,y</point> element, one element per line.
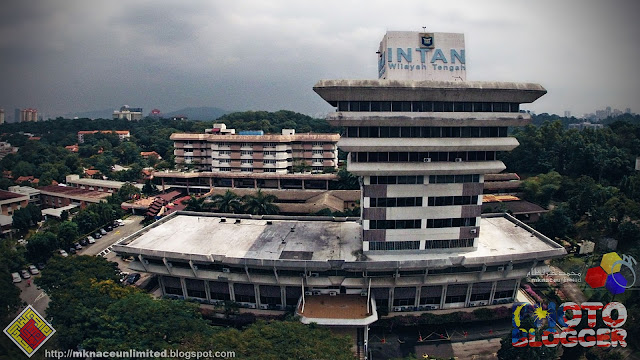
<point>73,57</point>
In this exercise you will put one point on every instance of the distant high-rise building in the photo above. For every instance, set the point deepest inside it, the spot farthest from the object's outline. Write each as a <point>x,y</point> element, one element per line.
<point>128,113</point>
<point>627,111</point>
<point>28,115</point>
<point>567,113</point>
<point>1,116</point>
<point>607,111</point>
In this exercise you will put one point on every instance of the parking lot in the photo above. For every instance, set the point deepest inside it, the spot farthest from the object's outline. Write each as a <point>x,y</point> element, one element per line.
<point>35,297</point>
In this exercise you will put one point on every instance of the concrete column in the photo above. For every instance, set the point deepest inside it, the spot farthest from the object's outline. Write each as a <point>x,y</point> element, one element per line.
<point>283,296</point>
<point>255,183</point>
<point>256,290</point>
<point>279,185</point>
<point>493,292</point>
<point>443,297</point>
<point>206,290</point>
<point>515,290</point>
<point>417,300</point>
<point>302,184</point>
<point>391,290</point>
<point>232,294</point>
<point>468,298</point>
<point>184,287</point>
<point>163,188</point>
<point>161,283</point>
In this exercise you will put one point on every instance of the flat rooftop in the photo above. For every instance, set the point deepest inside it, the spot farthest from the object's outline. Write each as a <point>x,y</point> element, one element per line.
<point>291,239</point>
<point>69,191</point>
<point>7,195</point>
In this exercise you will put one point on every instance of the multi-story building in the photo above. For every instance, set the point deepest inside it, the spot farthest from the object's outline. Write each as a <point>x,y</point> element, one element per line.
<point>281,154</point>
<point>55,196</point>
<point>122,134</point>
<point>422,146</point>
<point>28,115</point>
<point>10,202</point>
<point>421,138</point>
<point>1,116</point>
<point>128,113</point>
<point>109,186</point>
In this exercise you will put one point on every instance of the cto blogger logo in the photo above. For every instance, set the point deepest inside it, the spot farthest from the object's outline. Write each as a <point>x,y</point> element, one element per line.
<point>609,274</point>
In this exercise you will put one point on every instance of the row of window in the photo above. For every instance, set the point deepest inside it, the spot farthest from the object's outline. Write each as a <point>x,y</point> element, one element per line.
<point>395,224</point>
<point>395,202</point>
<point>454,222</point>
<point>428,106</point>
<point>425,131</point>
<point>433,179</point>
<point>417,201</point>
<point>452,200</point>
<point>392,180</point>
<point>432,156</point>
<point>453,179</point>
<point>448,244</point>
<point>394,245</point>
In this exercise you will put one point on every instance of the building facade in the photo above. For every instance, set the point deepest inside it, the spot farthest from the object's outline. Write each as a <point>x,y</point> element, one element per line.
<point>28,115</point>
<point>280,154</point>
<point>122,134</point>
<point>128,113</point>
<point>10,202</point>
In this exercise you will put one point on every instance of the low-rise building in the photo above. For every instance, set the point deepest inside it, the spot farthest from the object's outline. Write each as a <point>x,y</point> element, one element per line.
<point>32,193</point>
<point>109,186</point>
<point>56,196</point>
<point>10,202</point>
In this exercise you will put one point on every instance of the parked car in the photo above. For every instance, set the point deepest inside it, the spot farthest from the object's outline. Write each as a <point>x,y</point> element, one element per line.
<point>91,240</point>
<point>132,278</point>
<point>40,266</point>
<point>77,246</point>
<point>16,277</point>
<point>25,274</point>
<point>84,242</point>
<point>115,223</point>
<point>97,235</point>
<point>103,232</point>
<point>33,270</point>
<point>22,242</point>
<point>109,228</point>
<point>63,253</point>
<point>120,222</point>
<point>72,250</point>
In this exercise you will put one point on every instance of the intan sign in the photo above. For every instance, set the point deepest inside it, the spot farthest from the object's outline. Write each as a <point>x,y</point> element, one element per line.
<point>422,56</point>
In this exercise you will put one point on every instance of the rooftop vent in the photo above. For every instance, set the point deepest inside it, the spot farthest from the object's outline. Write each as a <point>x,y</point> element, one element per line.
<point>223,219</point>
<point>237,221</point>
<point>269,222</point>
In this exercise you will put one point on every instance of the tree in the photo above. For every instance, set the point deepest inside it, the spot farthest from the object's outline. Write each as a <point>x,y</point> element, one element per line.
<point>276,340</point>
<point>21,219</point>
<point>87,221</point>
<point>260,203</point>
<point>35,213</point>
<point>41,246</point>
<point>346,181</point>
<point>149,188</point>
<point>195,204</point>
<point>128,192</point>
<point>229,202</point>
<point>556,223</point>
<point>67,234</point>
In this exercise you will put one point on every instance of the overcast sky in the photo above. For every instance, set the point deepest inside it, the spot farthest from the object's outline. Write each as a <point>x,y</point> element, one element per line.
<point>71,56</point>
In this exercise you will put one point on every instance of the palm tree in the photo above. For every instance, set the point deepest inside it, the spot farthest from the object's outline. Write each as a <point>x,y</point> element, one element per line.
<point>229,202</point>
<point>195,204</point>
<point>260,203</point>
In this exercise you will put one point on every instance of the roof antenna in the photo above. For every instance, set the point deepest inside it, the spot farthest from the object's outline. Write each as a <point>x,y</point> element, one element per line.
<point>424,29</point>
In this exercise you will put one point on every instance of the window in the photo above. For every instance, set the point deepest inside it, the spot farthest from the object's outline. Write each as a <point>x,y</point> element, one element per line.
<point>452,200</point>
<point>246,169</point>
<point>270,145</point>
<point>246,152</point>
<point>224,152</point>
<point>269,170</point>
<point>394,245</point>
<point>246,145</point>
<point>246,161</point>
<point>391,180</point>
<point>269,153</point>
<point>316,143</point>
<point>225,169</point>
<point>224,161</point>
<point>221,144</point>
<point>269,161</point>
<point>318,152</point>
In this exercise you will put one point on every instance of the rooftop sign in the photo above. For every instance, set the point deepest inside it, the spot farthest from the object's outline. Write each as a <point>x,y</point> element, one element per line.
<point>407,55</point>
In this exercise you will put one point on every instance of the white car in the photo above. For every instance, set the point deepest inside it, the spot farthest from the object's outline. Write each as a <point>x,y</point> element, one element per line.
<point>25,274</point>
<point>91,240</point>
<point>120,222</point>
<point>33,270</point>
<point>16,277</point>
<point>63,253</point>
